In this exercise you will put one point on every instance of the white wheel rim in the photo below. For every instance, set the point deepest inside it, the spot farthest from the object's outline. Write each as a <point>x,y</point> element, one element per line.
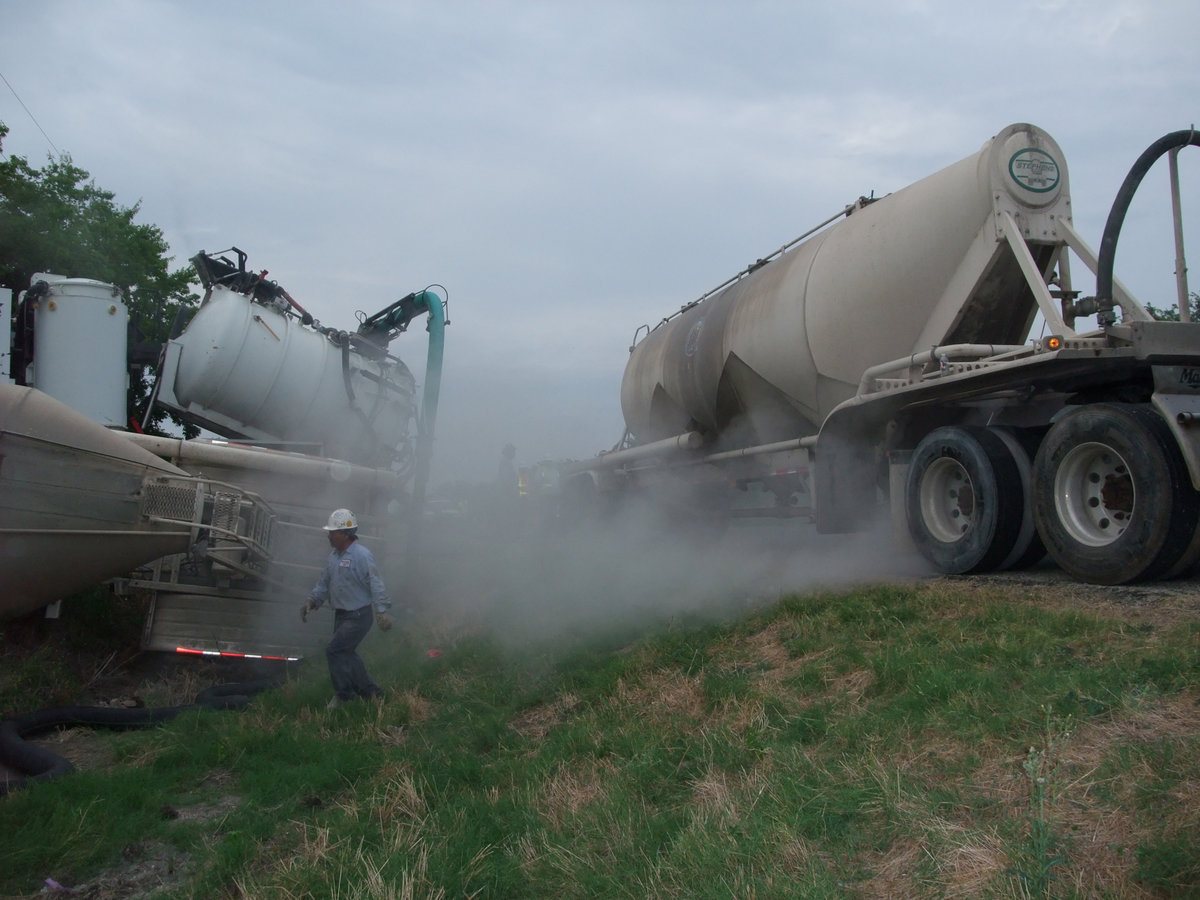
<point>947,500</point>
<point>1093,494</point>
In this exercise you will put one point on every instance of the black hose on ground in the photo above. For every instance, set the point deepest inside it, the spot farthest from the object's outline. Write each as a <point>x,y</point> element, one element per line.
<point>40,764</point>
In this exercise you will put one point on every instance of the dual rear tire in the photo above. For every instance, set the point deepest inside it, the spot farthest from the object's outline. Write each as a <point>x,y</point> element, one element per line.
<point>1112,497</point>
<point>964,509</point>
<point>1107,495</point>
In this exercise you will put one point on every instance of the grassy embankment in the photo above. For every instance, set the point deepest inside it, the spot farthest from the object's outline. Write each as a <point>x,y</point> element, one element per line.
<point>934,740</point>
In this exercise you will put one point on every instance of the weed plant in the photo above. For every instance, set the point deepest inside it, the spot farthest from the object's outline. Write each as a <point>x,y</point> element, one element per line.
<point>55,659</point>
<point>842,744</point>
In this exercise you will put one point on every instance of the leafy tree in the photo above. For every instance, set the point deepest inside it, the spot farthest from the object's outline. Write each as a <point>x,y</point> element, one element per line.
<point>55,219</point>
<point>1171,314</point>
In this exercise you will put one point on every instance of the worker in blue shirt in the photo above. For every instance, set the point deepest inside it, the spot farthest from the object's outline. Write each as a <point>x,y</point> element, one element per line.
<point>350,582</point>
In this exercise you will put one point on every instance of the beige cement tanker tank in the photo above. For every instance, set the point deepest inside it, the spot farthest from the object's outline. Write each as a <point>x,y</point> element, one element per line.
<point>768,357</point>
<point>71,502</point>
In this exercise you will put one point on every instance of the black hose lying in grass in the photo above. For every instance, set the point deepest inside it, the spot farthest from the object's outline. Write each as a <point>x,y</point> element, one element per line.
<point>40,764</point>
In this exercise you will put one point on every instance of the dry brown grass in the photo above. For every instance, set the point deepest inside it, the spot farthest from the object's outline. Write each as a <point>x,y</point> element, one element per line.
<point>151,867</point>
<point>537,721</point>
<point>564,794</point>
<point>398,807</point>
<point>766,649</point>
<point>82,747</point>
<point>959,853</point>
<point>964,854</point>
<point>663,697</point>
<point>1157,604</point>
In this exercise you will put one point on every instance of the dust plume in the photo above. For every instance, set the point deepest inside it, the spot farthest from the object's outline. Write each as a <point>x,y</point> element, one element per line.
<point>538,580</point>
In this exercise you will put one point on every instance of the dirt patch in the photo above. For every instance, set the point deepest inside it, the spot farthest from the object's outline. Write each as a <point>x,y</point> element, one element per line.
<point>150,868</point>
<point>1160,603</point>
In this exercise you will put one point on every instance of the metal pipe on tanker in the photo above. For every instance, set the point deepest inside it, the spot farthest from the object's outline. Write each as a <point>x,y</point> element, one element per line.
<point>934,355</point>
<point>427,418</point>
<point>777,447</point>
<point>1181,279</point>
<point>426,421</point>
<point>689,440</point>
<point>190,453</point>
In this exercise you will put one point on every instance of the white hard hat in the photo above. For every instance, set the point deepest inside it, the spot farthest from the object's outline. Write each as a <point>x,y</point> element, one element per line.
<point>341,520</point>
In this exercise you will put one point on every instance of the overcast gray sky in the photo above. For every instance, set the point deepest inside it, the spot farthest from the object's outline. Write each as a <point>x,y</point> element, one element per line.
<point>571,171</point>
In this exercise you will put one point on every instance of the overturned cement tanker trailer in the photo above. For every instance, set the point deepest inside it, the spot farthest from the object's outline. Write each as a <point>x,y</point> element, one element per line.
<point>221,534</point>
<point>884,359</point>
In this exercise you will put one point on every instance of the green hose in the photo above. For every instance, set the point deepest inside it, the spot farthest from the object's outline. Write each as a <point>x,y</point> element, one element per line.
<point>427,417</point>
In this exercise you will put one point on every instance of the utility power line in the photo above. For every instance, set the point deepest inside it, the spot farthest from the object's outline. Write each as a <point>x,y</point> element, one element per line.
<point>31,115</point>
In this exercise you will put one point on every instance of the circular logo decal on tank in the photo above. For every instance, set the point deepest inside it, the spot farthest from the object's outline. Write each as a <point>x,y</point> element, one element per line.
<point>1034,169</point>
<point>693,338</point>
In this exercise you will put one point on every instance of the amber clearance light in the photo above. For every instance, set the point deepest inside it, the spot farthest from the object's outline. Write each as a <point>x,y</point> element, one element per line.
<point>1054,342</point>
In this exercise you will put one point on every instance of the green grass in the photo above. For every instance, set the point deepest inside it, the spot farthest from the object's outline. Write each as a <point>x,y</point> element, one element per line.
<point>924,741</point>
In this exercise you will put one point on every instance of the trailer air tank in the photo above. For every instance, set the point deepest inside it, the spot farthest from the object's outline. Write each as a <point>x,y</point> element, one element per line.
<point>768,357</point>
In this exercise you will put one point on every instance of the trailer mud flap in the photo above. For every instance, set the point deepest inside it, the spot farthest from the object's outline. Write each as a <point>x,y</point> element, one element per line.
<point>1177,398</point>
<point>845,489</point>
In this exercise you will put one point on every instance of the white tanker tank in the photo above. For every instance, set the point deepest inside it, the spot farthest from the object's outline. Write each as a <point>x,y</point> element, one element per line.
<point>771,354</point>
<point>252,365</point>
<point>886,361</point>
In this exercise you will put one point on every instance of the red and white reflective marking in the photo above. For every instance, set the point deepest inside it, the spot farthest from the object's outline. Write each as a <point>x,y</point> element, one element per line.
<point>238,655</point>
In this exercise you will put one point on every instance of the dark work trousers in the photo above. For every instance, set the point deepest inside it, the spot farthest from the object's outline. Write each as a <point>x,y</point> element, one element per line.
<point>346,668</point>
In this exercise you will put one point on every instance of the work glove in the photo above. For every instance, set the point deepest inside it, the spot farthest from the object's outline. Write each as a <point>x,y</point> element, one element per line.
<point>308,607</point>
<point>385,621</point>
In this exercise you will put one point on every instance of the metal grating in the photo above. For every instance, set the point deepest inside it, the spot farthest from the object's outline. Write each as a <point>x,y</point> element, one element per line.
<point>170,501</point>
<point>262,527</point>
<point>225,511</point>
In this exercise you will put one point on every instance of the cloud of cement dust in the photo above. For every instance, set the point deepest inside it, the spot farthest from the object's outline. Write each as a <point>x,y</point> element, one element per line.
<point>532,580</point>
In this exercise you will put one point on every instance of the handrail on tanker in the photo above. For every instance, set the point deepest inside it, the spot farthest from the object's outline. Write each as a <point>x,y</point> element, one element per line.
<point>941,354</point>
<point>757,264</point>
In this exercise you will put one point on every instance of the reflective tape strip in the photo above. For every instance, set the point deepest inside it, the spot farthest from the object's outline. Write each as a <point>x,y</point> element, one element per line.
<point>237,655</point>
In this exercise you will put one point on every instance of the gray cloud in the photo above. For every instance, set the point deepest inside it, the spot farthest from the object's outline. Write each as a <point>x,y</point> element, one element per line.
<point>571,171</point>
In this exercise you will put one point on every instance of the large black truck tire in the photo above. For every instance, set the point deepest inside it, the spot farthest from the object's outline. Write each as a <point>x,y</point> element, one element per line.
<point>1111,495</point>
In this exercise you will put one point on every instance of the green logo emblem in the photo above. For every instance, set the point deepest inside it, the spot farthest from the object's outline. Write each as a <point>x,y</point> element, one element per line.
<point>1033,169</point>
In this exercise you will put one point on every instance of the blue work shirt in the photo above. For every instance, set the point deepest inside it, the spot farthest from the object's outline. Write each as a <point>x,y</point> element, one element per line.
<point>350,580</point>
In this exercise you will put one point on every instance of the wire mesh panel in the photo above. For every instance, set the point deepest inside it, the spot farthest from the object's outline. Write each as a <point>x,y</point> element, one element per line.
<point>176,502</point>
